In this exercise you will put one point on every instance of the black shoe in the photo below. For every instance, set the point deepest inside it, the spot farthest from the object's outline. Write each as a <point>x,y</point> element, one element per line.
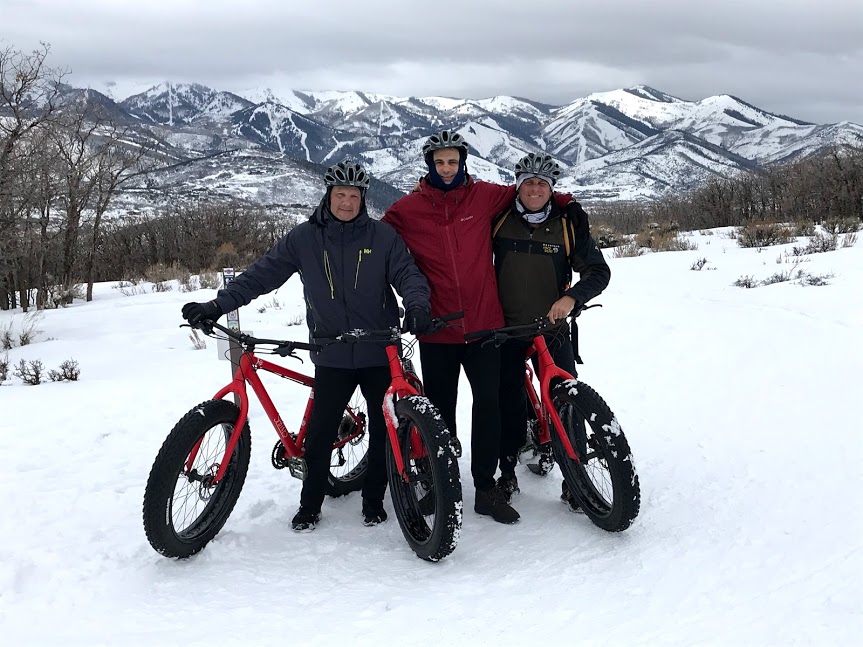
<point>508,484</point>
<point>455,445</point>
<point>568,499</point>
<point>305,520</point>
<point>493,502</point>
<point>373,513</point>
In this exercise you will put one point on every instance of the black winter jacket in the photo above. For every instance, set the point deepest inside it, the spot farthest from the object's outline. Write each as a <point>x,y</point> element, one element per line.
<point>347,269</point>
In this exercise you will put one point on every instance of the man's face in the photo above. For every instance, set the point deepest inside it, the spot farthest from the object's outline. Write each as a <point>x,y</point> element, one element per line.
<point>345,202</point>
<point>446,163</point>
<point>534,193</point>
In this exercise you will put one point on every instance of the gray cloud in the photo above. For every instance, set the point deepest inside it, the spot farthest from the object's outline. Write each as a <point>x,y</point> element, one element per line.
<point>798,58</point>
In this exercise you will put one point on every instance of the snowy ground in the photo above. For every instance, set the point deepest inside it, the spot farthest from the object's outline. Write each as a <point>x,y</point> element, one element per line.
<point>739,405</point>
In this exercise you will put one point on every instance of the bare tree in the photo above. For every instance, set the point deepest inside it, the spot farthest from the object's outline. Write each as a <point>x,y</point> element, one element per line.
<point>29,93</point>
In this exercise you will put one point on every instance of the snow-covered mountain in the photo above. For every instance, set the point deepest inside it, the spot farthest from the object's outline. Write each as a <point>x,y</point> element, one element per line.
<point>183,103</point>
<point>632,142</point>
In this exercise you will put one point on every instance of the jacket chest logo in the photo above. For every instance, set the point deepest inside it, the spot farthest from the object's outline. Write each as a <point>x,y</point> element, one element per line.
<point>550,248</point>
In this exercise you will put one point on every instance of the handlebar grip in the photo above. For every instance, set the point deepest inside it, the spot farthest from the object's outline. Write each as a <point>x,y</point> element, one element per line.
<point>325,334</point>
<point>315,348</point>
<point>288,348</point>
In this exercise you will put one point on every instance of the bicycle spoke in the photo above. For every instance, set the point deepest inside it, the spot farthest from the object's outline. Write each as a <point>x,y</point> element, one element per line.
<point>189,502</point>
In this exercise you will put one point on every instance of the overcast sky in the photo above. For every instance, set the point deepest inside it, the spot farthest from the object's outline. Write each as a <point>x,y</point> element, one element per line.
<point>803,58</point>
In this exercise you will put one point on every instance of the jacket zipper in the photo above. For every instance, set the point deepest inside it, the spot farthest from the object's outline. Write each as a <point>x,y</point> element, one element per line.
<point>449,237</point>
<point>329,274</point>
<point>359,260</point>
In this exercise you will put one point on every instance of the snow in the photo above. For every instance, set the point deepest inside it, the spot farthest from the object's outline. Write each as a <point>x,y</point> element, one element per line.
<point>739,407</point>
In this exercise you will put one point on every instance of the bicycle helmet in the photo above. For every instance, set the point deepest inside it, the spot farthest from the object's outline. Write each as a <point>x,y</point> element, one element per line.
<point>347,174</point>
<point>538,164</point>
<point>444,139</point>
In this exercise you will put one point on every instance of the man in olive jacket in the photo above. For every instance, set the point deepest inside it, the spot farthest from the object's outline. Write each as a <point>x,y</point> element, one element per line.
<point>537,247</point>
<point>347,262</point>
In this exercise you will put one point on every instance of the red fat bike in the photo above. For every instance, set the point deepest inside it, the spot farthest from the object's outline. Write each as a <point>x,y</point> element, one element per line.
<point>572,425</point>
<point>199,472</point>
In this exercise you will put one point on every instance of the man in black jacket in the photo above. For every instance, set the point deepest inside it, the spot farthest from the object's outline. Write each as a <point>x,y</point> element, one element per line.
<point>347,262</point>
<point>537,246</point>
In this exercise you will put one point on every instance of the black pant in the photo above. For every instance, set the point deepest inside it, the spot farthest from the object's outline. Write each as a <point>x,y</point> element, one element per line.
<point>333,390</point>
<point>513,398</point>
<point>441,366</point>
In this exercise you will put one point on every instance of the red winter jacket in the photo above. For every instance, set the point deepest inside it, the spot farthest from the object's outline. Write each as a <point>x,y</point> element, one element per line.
<point>449,235</point>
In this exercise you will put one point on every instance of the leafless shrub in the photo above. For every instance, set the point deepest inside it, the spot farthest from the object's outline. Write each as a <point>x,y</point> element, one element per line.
<point>803,228</point>
<point>296,320</point>
<point>7,341</point>
<point>841,225</point>
<point>30,327</point>
<point>606,237</point>
<point>698,265</point>
<point>746,281</point>
<point>781,277</point>
<point>209,280</point>
<point>188,284</point>
<point>663,237</point>
<point>763,233</point>
<point>849,240</point>
<point>60,296</point>
<point>227,256</point>
<point>198,343</point>
<point>4,367</point>
<point>162,286</point>
<point>628,250</point>
<point>161,272</point>
<point>815,279</point>
<point>818,243</point>
<point>29,372</point>
<point>69,371</point>
<point>129,288</point>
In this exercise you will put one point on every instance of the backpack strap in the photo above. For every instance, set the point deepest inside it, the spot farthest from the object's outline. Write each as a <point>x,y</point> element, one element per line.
<point>497,223</point>
<point>568,231</point>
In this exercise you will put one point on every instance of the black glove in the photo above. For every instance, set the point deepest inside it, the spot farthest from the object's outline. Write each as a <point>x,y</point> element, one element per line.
<point>195,313</point>
<point>419,321</point>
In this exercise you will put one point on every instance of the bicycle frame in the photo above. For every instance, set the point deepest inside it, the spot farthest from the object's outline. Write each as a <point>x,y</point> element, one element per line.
<point>399,388</point>
<point>247,373</point>
<point>543,405</point>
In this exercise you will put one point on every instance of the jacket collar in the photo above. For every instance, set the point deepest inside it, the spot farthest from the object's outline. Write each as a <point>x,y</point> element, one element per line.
<point>438,194</point>
<point>323,218</point>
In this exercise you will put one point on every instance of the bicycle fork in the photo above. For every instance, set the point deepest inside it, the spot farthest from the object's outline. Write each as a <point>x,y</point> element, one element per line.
<point>548,371</point>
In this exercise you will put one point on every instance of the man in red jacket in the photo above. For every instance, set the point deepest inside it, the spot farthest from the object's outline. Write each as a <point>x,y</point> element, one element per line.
<point>447,227</point>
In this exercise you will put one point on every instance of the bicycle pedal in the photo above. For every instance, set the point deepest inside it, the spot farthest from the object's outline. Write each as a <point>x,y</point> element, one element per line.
<point>298,468</point>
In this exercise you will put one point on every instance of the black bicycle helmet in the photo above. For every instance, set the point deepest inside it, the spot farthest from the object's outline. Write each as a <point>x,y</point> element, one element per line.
<point>444,139</point>
<point>347,174</point>
<point>538,164</point>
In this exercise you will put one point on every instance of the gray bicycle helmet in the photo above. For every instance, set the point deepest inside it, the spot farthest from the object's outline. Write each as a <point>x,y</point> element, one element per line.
<point>538,164</point>
<point>444,139</point>
<point>347,174</point>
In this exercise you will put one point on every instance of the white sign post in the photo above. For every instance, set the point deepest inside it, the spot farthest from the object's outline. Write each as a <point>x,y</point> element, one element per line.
<point>233,319</point>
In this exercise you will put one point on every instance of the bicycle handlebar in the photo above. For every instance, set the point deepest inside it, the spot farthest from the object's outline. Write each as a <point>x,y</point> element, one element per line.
<point>522,330</point>
<point>284,348</point>
<point>387,334</point>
